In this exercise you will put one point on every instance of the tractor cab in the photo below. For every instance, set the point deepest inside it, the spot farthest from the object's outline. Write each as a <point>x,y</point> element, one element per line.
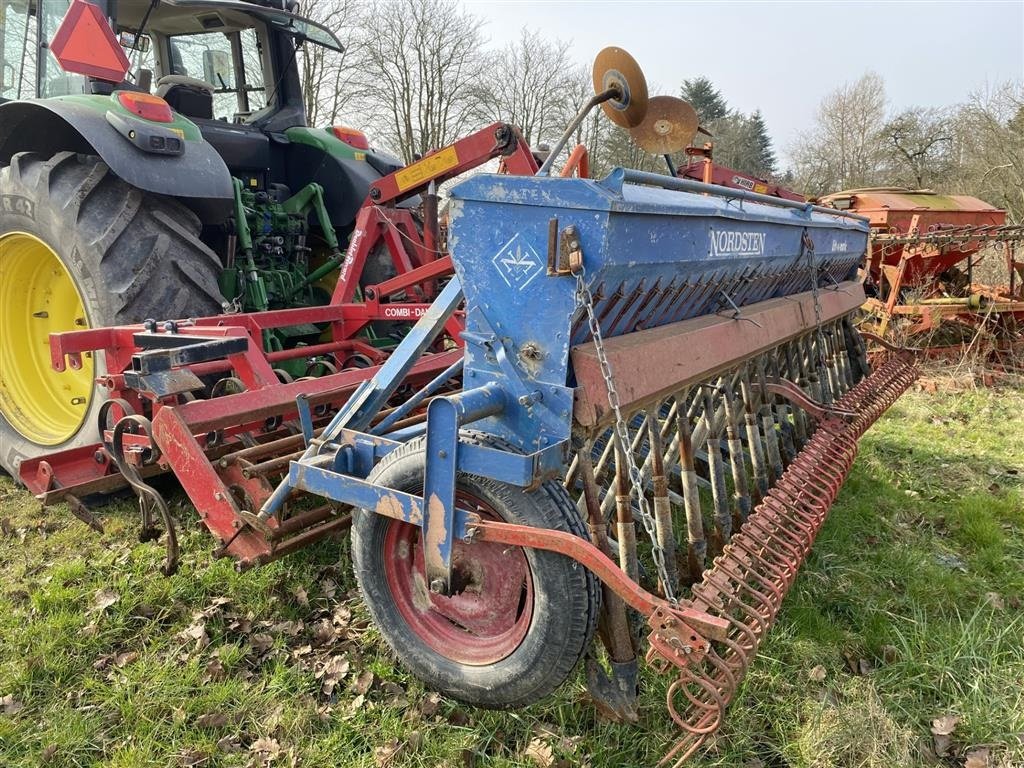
<point>156,162</point>
<point>226,60</point>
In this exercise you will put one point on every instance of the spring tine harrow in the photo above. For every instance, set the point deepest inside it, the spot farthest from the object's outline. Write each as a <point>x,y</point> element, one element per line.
<point>755,570</point>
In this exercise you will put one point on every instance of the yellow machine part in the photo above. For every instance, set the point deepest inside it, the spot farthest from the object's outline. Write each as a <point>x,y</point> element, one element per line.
<point>38,297</point>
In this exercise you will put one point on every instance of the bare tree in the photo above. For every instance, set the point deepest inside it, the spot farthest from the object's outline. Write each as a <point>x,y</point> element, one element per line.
<point>420,67</point>
<point>329,86</point>
<point>920,142</point>
<point>844,148</point>
<point>990,147</point>
<point>531,87</point>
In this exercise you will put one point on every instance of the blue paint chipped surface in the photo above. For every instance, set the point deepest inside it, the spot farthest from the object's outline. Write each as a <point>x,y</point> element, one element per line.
<point>652,256</point>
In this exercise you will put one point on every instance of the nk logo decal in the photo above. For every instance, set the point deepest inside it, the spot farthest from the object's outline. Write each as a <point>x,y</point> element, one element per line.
<point>518,263</point>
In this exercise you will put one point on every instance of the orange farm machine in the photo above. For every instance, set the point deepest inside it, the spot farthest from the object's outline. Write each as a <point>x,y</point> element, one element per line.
<point>920,271</point>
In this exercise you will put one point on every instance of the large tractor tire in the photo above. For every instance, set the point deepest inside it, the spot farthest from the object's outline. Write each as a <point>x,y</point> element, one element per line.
<point>80,248</point>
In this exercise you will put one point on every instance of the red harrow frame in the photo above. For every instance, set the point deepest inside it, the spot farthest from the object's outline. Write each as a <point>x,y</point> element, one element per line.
<point>224,447</point>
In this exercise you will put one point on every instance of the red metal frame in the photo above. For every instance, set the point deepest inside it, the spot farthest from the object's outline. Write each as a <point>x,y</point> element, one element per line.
<point>701,167</point>
<point>205,442</point>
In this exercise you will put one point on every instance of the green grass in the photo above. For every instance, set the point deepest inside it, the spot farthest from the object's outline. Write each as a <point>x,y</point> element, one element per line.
<point>918,577</point>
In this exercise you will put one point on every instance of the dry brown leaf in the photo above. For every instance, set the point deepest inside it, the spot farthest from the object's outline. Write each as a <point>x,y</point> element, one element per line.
<point>385,753</point>
<point>191,758</point>
<point>212,720</point>
<point>364,682</point>
<point>978,758</point>
<point>214,670</point>
<point>945,725</point>
<point>261,642</point>
<point>329,587</point>
<point>334,670</point>
<point>229,745</point>
<point>539,753</point>
<point>195,632</point>
<point>103,599</point>
<point>323,633</point>
<point>817,674</point>
<point>942,730</point>
<point>10,705</point>
<point>430,704</point>
<point>355,706</point>
<point>342,615</point>
<point>995,600</point>
<point>265,745</point>
<point>459,719</point>
<point>289,628</point>
<point>122,660</point>
<point>394,695</point>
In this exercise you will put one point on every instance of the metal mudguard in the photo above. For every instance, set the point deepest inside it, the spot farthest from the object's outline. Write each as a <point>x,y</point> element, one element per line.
<point>198,177</point>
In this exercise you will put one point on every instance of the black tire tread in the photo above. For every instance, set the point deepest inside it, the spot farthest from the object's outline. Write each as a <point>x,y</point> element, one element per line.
<point>150,252</point>
<point>579,624</point>
<point>140,255</point>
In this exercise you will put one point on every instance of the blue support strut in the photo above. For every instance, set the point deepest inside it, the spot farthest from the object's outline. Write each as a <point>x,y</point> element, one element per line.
<point>370,396</point>
<point>445,415</point>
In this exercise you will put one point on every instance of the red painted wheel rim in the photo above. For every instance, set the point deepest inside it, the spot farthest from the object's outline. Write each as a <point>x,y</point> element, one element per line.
<point>489,613</point>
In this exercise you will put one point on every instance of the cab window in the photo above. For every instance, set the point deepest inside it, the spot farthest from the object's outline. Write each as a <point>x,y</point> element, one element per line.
<point>231,63</point>
<point>17,46</point>
<point>54,81</point>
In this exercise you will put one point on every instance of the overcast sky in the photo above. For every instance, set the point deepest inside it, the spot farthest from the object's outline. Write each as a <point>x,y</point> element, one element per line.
<point>783,57</point>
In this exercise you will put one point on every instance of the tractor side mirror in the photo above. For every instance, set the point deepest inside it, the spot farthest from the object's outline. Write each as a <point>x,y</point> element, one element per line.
<point>134,41</point>
<point>8,79</point>
<point>218,69</point>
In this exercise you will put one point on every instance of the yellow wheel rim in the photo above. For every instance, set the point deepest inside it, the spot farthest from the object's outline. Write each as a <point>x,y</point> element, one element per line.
<point>37,298</point>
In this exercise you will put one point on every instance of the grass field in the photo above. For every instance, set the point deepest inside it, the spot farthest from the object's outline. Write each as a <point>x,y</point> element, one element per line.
<point>907,620</point>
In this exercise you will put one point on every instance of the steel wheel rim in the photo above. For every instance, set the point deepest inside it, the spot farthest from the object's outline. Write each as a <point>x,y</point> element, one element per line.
<point>485,622</point>
<point>38,297</point>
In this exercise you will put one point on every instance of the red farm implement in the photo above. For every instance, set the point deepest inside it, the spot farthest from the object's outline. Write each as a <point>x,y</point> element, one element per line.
<point>211,388</point>
<point>922,265</point>
<point>633,397</point>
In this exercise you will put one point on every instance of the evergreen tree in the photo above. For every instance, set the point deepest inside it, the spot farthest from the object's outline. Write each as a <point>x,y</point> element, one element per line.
<point>762,155</point>
<point>705,98</point>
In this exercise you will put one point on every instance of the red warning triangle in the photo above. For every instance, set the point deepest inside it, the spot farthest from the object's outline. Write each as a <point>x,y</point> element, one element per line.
<point>85,44</point>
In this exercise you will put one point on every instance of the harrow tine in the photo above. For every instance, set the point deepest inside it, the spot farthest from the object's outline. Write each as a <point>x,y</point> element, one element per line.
<point>696,543</point>
<point>662,507</point>
<point>716,468</point>
<point>754,443</point>
<point>749,579</point>
<point>769,410</point>
<point>625,525</point>
<point>741,491</point>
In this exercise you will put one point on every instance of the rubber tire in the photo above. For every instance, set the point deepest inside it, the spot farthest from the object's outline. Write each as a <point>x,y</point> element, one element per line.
<point>132,255</point>
<point>566,595</point>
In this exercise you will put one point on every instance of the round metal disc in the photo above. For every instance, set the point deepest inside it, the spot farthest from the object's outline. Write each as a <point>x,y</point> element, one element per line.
<point>668,127</point>
<point>614,68</point>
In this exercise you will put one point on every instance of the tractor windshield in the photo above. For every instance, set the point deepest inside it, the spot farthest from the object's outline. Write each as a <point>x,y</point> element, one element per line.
<point>281,21</point>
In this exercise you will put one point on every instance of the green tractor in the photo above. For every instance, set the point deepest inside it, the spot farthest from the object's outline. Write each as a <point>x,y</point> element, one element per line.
<point>190,188</point>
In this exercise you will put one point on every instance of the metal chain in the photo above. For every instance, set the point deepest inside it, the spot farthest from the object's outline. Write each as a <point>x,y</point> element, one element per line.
<point>622,433</point>
<point>812,263</point>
